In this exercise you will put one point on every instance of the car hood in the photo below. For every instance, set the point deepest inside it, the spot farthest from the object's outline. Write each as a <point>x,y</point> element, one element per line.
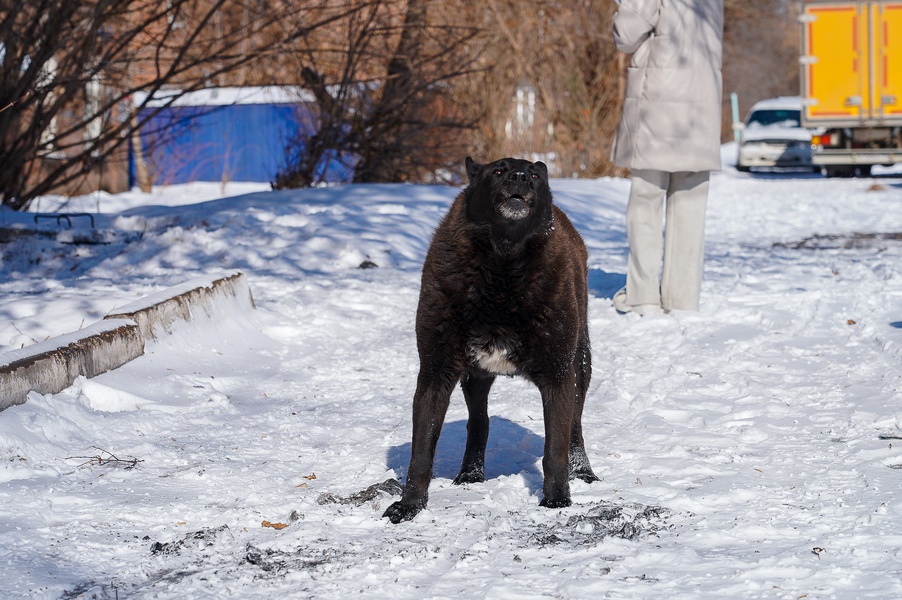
<point>787,134</point>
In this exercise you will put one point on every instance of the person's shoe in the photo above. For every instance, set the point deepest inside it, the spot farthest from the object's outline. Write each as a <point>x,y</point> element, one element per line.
<point>645,310</point>
<point>642,310</point>
<point>620,304</point>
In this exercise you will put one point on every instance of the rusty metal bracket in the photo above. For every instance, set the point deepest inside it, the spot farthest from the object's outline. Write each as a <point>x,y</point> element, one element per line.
<point>60,216</point>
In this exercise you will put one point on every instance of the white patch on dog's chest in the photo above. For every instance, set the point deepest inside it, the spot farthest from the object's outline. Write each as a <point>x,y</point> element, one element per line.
<point>494,360</point>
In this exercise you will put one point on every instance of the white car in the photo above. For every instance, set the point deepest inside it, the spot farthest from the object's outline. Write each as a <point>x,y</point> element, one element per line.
<point>773,136</point>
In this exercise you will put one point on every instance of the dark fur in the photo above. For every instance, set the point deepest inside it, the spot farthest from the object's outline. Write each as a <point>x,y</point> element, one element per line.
<point>506,269</point>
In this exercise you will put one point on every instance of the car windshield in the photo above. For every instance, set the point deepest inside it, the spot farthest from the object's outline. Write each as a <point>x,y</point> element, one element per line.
<point>782,117</point>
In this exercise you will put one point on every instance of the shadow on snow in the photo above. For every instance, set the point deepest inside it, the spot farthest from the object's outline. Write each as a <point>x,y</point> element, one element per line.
<point>511,450</point>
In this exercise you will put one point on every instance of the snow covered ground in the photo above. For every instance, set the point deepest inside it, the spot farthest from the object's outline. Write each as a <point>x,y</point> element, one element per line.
<point>751,450</point>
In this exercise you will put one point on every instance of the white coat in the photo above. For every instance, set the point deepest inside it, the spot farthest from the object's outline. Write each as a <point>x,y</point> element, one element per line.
<point>672,109</point>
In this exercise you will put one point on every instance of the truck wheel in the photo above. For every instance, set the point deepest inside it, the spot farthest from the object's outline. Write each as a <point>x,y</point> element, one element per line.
<point>864,171</point>
<point>842,171</point>
<point>743,168</point>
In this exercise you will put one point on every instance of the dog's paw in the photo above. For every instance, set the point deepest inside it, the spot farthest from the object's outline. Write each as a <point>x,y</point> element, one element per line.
<point>588,476</point>
<point>471,476</point>
<point>399,512</point>
<point>555,502</point>
<point>579,465</point>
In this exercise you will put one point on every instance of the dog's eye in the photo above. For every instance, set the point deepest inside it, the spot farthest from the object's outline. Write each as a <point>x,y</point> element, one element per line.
<point>496,172</point>
<point>535,175</point>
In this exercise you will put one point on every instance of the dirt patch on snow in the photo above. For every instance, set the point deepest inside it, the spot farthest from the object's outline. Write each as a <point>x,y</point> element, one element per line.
<point>849,241</point>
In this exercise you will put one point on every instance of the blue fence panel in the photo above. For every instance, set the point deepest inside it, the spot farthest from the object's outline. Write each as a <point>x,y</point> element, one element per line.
<point>241,142</point>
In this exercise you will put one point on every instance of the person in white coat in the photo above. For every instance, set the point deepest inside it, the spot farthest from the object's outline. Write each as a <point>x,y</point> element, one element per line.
<point>669,137</point>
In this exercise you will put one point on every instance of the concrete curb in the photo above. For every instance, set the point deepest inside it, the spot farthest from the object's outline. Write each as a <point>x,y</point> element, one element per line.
<point>156,314</point>
<point>51,366</point>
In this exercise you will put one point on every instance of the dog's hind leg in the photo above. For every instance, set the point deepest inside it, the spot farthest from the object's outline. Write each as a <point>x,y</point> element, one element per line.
<point>579,462</point>
<point>430,403</point>
<point>476,393</point>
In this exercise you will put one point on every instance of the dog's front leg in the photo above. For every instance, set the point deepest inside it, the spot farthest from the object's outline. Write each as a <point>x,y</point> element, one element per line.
<point>558,407</point>
<point>430,403</point>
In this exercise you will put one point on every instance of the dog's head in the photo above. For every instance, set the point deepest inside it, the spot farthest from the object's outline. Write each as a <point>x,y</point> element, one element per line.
<point>510,195</point>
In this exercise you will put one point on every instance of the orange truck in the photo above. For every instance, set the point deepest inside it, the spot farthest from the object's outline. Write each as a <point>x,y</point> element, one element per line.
<point>851,80</point>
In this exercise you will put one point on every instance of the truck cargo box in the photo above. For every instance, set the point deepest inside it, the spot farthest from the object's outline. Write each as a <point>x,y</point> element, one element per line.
<point>852,62</point>
<point>851,83</point>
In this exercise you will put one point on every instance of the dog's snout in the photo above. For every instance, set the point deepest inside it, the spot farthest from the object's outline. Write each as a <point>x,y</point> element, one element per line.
<point>519,182</point>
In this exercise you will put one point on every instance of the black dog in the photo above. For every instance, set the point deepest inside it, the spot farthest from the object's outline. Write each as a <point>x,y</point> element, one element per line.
<point>503,293</point>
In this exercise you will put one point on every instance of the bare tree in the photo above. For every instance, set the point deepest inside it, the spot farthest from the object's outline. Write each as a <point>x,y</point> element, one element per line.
<point>761,51</point>
<point>561,58</point>
<point>383,83</point>
<point>335,68</point>
<point>76,74</point>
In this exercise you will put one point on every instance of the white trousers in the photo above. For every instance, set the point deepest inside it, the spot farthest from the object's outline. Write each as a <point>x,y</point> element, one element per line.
<point>678,285</point>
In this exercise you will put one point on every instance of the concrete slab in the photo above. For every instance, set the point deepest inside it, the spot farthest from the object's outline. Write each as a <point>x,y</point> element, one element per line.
<point>52,365</point>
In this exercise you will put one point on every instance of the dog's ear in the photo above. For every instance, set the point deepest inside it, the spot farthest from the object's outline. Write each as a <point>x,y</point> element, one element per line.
<point>472,169</point>
<point>543,169</point>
